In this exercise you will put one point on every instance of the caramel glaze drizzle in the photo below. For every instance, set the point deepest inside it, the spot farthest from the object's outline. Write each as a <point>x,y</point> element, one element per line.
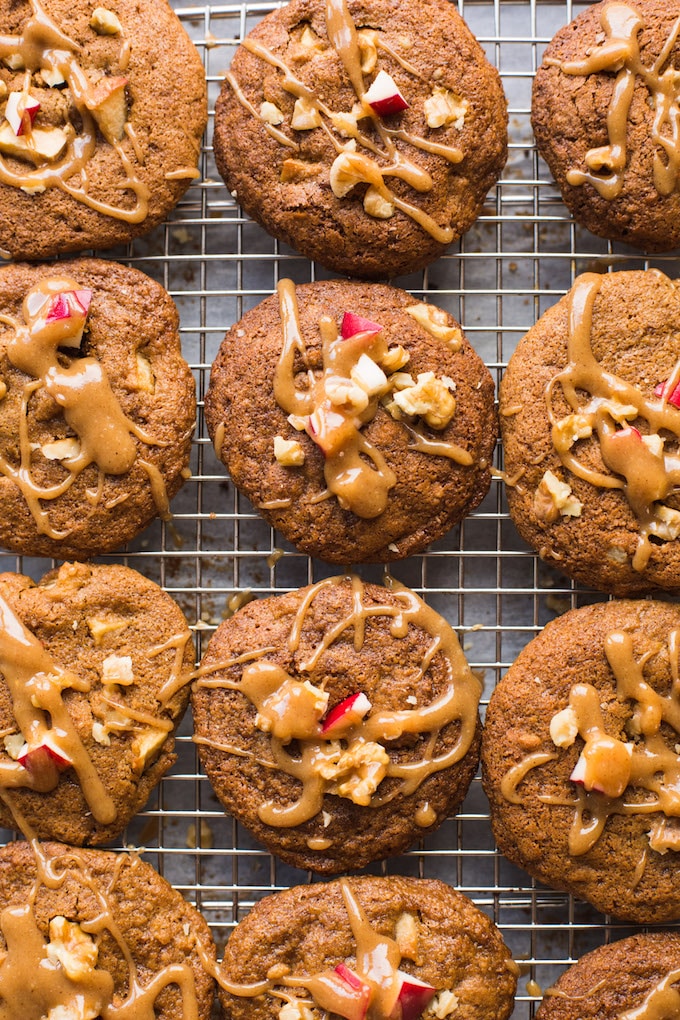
<point>619,53</point>
<point>31,984</point>
<point>42,45</point>
<point>90,408</point>
<point>357,474</point>
<point>662,1002</point>
<point>646,476</point>
<point>377,961</point>
<point>355,766</point>
<point>645,762</point>
<point>342,36</point>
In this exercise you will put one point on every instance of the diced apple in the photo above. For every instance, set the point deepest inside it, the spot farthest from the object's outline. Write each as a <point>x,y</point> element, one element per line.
<point>70,308</point>
<point>329,430</point>
<point>352,324</point>
<point>672,398</point>
<point>21,111</point>
<point>59,308</point>
<point>46,144</point>
<point>108,105</point>
<point>414,996</point>
<point>604,766</point>
<point>84,299</point>
<point>384,96</point>
<point>367,374</point>
<point>360,993</point>
<point>48,747</point>
<point>630,432</point>
<point>345,715</point>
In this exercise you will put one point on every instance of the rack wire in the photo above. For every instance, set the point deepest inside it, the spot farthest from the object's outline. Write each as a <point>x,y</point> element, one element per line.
<point>517,260</point>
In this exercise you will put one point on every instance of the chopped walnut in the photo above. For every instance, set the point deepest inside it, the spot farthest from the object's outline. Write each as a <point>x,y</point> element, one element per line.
<point>288,452</point>
<point>345,124</point>
<point>377,205</point>
<point>572,428</point>
<point>553,498</point>
<point>395,358</point>
<point>145,380</point>
<point>61,449</point>
<point>666,523</point>
<point>344,175</point>
<point>444,1004</point>
<point>406,935</point>
<point>368,51</point>
<point>14,61</point>
<point>72,948</point>
<point>444,108</point>
<point>52,77</point>
<point>616,554</point>
<point>564,727</point>
<point>295,1010</point>
<point>430,398</point>
<point>100,628</point>
<point>664,836</point>
<point>105,22</point>
<point>346,394</point>
<point>14,742</point>
<point>622,413</point>
<point>437,323</point>
<point>654,444</point>
<point>356,772</point>
<point>298,170</point>
<point>270,113</point>
<point>117,669</point>
<point>305,115</point>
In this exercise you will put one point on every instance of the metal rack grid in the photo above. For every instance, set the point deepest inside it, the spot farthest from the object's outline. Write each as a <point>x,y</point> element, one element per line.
<point>519,258</point>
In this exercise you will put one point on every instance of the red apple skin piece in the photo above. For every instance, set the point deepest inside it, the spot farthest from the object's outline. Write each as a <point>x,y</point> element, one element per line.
<point>414,996</point>
<point>59,308</point>
<point>343,992</point>
<point>333,433</point>
<point>345,715</point>
<point>16,119</point>
<point>84,299</point>
<point>674,397</point>
<point>44,764</point>
<point>384,96</point>
<point>352,324</point>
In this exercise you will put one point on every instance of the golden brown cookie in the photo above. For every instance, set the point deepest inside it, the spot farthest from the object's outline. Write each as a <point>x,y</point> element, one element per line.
<point>580,758</point>
<point>632,978</point>
<point>437,951</point>
<point>93,933</point>
<point>339,722</point>
<point>95,663</point>
<point>605,119</point>
<point>358,420</point>
<point>590,418</point>
<point>102,110</point>
<point>97,410</point>
<point>365,134</point>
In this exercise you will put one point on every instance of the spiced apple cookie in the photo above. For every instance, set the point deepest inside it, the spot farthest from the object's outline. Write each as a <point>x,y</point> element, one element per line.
<point>91,933</point>
<point>95,663</point>
<point>580,758</point>
<point>632,979</point>
<point>102,111</point>
<point>590,416</point>
<point>97,408</point>
<point>605,119</point>
<point>366,134</point>
<point>339,722</point>
<point>438,953</point>
<point>356,419</point>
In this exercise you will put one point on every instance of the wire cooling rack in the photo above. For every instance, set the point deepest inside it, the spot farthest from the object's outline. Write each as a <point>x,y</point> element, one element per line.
<point>519,258</point>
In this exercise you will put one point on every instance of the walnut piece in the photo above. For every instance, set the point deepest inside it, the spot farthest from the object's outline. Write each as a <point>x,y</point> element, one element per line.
<point>377,205</point>
<point>429,398</point>
<point>105,22</point>
<point>554,498</point>
<point>288,452</point>
<point>564,727</point>
<point>437,323</point>
<point>71,947</point>
<point>444,108</point>
<point>270,113</point>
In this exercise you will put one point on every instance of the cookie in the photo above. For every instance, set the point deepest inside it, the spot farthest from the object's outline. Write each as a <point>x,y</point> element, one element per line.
<point>339,722</point>
<point>95,663</point>
<point>580,758</point>
<point>590,417</point>
<point>357,420</point>
<point>93,933</point>
<point>97,410</point>
<point>101,117</point>
<point>632,979</point>
<point>605,117</point>
<point>366,134</point>
<point>319,946</point>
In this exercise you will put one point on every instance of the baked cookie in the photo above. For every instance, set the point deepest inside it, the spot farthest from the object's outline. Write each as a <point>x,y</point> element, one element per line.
<point>604,114</point>
<point>90,933</point>
<point>633,979</point>
<point>366,134</point>
<point>580,758</point>
<point>318,946</point>
<point>95,663</point>
<point>357,420</point>
<point>590,416</point>
<point>101,117</point>
<point>339,722</point>
<point>97,409</point>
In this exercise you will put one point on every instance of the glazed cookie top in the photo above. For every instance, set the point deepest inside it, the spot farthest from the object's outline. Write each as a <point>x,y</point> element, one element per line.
<point>590,416</point>
<point>95,663</point>
<point>357,420</point>
<point>97,408</point>
<point>338,722</point>
<point>580,758</point>
<point>87,933</point>
<point>633,979</point>
<point>604,113</point>
<point>366,134</point>
<point>101,117</point>
<point>367,947</point>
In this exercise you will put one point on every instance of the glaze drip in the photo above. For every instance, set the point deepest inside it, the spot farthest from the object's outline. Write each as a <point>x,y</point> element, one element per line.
<point>619,55</point>
<point>351,760</point>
